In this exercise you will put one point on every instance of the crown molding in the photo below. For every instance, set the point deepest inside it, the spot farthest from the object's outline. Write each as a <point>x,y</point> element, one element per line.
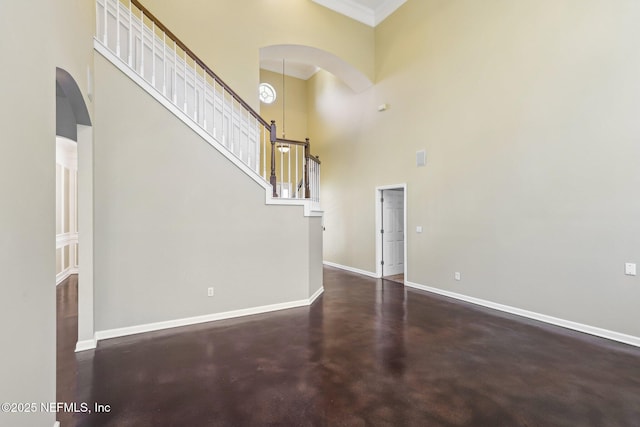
<point>351,9</point>
<point>361,13</point>
<point>387,8</point>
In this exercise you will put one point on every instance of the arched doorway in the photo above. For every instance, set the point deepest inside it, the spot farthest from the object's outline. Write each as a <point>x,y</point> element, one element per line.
<point>312,56</point>
<point>73,124</point>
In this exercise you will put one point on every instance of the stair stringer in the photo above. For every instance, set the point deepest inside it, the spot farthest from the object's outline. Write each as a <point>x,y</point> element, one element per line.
<point>309,207</point>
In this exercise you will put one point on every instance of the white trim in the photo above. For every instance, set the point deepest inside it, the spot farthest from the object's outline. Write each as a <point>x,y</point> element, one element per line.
<point>67,152</point>
<point>66,239</point>
<point>352,269</point>
<point>315,295</point>
<point>64,275</point>
<point>89,344</point>
<point>310,207</point>
<point>351,9</point>
<point>157,326</point>
<point>56,424</point>
<point>591,330</point>
<point>85,254</point>
<point>379,190</point>
<point>298,70</point>
<point>361,13</point>
<point>386,9</point>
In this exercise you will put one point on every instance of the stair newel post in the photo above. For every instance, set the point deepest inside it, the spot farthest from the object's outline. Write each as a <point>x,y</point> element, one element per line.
<point>273,138</point>
<point>307,191</point>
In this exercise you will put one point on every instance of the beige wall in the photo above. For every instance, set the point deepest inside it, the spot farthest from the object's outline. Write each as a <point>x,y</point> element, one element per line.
<point>295,101</point>
<point>527,111</point>
<point>295,114</point>
<point>174,217</point>
<point>37,36</point>
<point>227,35</point>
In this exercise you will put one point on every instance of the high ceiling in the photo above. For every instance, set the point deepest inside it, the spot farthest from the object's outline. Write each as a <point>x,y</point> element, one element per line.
<point>370,12</point>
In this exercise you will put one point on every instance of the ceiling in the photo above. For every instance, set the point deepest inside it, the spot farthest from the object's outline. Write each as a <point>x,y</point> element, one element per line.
<point>369,12</point>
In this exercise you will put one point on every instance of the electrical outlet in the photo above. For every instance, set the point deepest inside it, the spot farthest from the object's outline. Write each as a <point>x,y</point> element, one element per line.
<point>457,275</point>
<point>630,269</point>
<point>210,292</point>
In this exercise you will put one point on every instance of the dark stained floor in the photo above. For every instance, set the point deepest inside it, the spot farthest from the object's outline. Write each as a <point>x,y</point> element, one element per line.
<point>367,353</point>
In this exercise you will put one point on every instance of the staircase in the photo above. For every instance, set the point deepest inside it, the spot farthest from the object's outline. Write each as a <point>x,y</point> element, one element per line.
<point>136,42</point>
<point>181,236</point>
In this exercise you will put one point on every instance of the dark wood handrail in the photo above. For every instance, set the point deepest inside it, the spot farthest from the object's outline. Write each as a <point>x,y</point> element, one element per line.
<point>307,158</point>
<point>198,61</point>
<point>315,159</point>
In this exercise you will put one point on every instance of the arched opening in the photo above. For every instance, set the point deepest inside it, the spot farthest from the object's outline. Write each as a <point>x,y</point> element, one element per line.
<point>74,158</point>
<point>311,57</point>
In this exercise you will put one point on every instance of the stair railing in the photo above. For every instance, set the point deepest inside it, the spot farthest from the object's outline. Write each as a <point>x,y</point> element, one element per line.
<point>293,161</point>
<point>152,51</point>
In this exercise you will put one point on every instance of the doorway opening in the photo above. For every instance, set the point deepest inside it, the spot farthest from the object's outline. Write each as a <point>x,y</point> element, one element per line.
<point>74,230</point>
<point>391,220</point>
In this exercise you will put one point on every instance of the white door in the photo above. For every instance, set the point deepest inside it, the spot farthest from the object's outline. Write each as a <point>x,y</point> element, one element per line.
<point>393,232</point>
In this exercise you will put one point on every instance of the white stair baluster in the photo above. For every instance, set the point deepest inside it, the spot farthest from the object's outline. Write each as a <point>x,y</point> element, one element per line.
<point>289,170</point>
<point>175,73</point>
<point>142,43</point>
<point>106,13</point>
<point>184,75</point>
<point>153,53</point>
<point>281,172</point>
<point>213,113</point>
<point>130,59</point>
<point>196,104</point>
<point>164,63</point>
<point>204,100</point>
<point>118,28</point>
<point>264,152</point>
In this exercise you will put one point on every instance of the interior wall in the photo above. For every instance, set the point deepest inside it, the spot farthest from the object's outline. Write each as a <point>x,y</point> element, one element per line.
<point>173,217</point>
<point>527,111</point>
<point>37,36</point>
<point>27,187</point>
<point>294,96</point>
<point>207,28</point>
<point>290,123</point>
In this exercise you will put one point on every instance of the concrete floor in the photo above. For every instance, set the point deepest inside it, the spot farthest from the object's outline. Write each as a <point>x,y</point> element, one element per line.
<point>367,353</point>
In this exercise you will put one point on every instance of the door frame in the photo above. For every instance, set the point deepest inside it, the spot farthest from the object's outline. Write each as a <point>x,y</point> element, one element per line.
<point>379,253</point>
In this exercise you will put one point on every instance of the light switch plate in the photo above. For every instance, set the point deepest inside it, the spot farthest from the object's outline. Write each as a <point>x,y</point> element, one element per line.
<point>419,229</point>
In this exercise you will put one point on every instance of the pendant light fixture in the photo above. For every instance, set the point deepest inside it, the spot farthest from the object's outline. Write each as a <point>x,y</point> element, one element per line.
<point>284,148</point>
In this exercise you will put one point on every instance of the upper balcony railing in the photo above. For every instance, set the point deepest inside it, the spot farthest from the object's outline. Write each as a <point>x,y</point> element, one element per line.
<point>139,40</point>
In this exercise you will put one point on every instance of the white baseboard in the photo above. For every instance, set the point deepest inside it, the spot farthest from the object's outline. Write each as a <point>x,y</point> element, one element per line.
<point>351,269</point>
<point>591,330</point>
<point>315,295</point>
<point>157,326</point>
<point>86,345</point>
